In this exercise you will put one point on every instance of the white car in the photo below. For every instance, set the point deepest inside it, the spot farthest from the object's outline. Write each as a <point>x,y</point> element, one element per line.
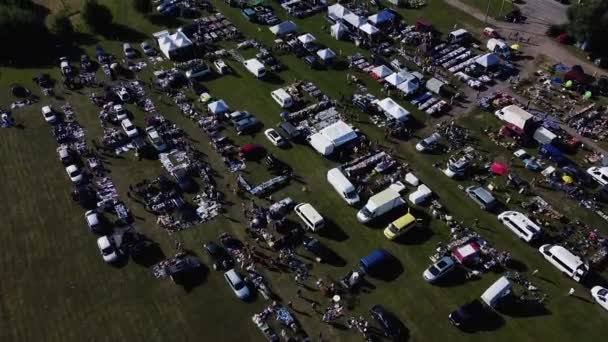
<point>155,138</point>
<point>64,64</point>
<point>123,94</point>
<point>429,143</point>
<point>600,174</point>
<point>120,112</point>
<point>237,284</point>
<point>600,294</point>
<point>221,67</point>
<point>74,173</point>
<point>93,221</point>
<point>108,251</point>
<point>48,114</point>
<point>129,128</point>
<point>149,50</point>
<point>128,50</point>
<point>198,71</point>
<point>64,154</point>
<point>275,138</point>
<point>438,269</point>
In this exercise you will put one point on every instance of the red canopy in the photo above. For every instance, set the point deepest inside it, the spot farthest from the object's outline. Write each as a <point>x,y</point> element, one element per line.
<point>499,168</point>
<point>466,252</point>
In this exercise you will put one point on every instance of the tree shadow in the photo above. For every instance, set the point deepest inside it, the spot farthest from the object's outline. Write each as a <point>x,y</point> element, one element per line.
<point>191,279</point>
<point>169,21</point>
<point>150,255</point>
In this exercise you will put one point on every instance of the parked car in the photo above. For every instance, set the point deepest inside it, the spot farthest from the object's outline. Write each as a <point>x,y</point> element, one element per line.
<point>237,284</point>
<point>467,314</point>
<point>128,50</point>
<point>155,139</point>
<point>74,173</point>
<point>199,70</point>
<point>108,250</point>
<point>65,155</point>
<point>490,33</point>
<point>245,125</point>
<point>123,94</point>
<point>49,114</point>
<point>429,143</point>
<point>93,221</point>
<point>129,128</point>
<point>120,112</point>
<point>290,131</point>
<point>275,138</point>
<point>148,48</point>
<point>482,197</point>
<point>438,269</point>
<point>221,259</point>
<point>600,294</point>
<point>599,174</point>
<point>221,67</point>
<point>311,61</point>
<point>391,326</point>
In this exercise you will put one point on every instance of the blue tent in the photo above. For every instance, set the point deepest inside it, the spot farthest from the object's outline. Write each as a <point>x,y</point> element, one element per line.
<point>374,260</point>
<point>381,17</point>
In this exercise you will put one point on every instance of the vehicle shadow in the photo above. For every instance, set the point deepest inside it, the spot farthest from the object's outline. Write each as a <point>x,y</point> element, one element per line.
<point>191,279</point>
<point>333,232</point>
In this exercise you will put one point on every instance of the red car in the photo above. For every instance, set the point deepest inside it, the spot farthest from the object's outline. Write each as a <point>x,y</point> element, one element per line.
<point>252,152</point>
<point>490,33</point>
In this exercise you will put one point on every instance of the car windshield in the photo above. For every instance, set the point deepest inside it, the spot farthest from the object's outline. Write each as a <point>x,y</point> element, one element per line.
<point>128,127</point>
<point>434,270</point>
<point>107,251</point>
<point>238,285</point>
<point>351,194</point>
<point>74,172</point>
<point>602,292</point>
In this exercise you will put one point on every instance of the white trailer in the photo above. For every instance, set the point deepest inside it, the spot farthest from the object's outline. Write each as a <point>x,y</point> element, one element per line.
<point>255,67</point>
<point>380,204</point>
<point>515,115</point>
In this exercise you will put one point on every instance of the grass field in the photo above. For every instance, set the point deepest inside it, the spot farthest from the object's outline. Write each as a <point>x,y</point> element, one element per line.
<point>55,286</point>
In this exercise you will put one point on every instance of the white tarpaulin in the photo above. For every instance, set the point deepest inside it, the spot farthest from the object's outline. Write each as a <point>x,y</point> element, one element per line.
<point>393,110</point>
<point>283,28</point>
<point>488,60</point>
<point>369,29</point>
<point>332,136</point>
<point>307,38</point>
<point>326,54</point>
<point>354,19</point>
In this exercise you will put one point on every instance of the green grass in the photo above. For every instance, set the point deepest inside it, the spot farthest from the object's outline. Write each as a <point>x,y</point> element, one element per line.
<point>55,286</point>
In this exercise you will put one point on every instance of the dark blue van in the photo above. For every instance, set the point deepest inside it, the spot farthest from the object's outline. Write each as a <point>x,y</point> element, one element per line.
<point>552,153</point>
<point>374,260</point>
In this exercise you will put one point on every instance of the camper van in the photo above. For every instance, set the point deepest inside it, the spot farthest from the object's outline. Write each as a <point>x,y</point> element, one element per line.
<point>459,36</point>
<point>565,261</point>
<point>282,97</point>
<point>400,226</point>
<point>343,186</point>
<point>520,224</point>
<point>380,204</point>
<point>482,197</point>
<point>310,216</point>
<point>255,67</point>
<point>499,290</point>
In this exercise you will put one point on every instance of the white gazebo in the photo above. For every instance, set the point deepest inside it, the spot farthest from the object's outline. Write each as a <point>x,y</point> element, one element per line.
<point>338,30</point>
<point>218,107</point>
<point>172,45</point>
<point>369,29</point>
<point>354,19</point>
<point>488,60</point>
<point>393,110</point>
<point>396,78</point>
<point>381,71</point>
<point>409,86</point>
<point>282,28</point>
<point>326,55</point>
<point>337,11</point>
<point>307,38</point>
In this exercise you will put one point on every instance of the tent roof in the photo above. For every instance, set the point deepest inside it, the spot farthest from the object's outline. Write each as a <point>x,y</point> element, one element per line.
<point>218,107</point>
<point>409,86</point>
<point>576,74</point>
<point>397,78</point>
<point>499,168</point>
<point>337,11</point>
<point>393,109</point>
<point>338,29</point>
<point>369,29</point>
<point>307,38</point>
<point>434,85</point>
<point>354,19</point>
<point>283,28</point>
<point>381,17</point>
<point>382,71</point>
<point>488,60</point>
<point>326,54</point>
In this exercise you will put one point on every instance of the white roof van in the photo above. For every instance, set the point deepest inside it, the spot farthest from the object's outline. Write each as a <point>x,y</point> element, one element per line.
<point>520,224</point>
<point>343,186</point>
<point>565,261</point>
<point>311,217</point>
<point>500,289</point>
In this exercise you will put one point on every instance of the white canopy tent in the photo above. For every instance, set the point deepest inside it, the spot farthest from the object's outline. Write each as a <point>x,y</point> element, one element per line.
<point>369,29</point>
<point>331,137</point>
<point>307,38</point>
<point>397,78</point>
<point>326,54</point>
<point>382,71</point>
<point>283,28</point>
<point>354,20</point>
<point>488,60</point>
<point>409,86</point>
<point>338,30</point>
<point>337,11</point>
<point>172,45</point>
<point>393,110</point>
<point>218,107</point>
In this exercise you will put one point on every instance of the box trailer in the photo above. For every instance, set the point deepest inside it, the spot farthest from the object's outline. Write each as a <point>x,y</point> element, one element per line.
<point>255,67</point>
<point>516,116</point>
<point>380,204</point>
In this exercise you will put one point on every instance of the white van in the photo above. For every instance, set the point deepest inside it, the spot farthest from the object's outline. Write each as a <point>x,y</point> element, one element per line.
<point>565,261</point>
<point>500,289</point>
<point>343,186</point>
<point>255,67</point>
<point>379,204</point>
<point>520,224</point>
<point>282,97</point>
<point>311,217</point>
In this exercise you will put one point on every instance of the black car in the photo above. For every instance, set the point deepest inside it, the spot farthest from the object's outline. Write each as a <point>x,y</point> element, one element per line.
<point>311,61</point>
<point>221,258</point>
<point>466,314</point>
<point>390,324</point>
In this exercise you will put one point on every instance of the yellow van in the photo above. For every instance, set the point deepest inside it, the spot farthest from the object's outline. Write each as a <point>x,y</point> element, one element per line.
<point>400,226</point>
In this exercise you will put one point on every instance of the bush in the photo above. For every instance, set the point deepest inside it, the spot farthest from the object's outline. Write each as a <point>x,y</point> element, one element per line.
<point>555,30</point>
<point>96,16</point>
<point>60,24</point>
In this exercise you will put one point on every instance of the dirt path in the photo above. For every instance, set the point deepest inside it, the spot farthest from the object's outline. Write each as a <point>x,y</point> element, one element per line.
<point>535,28</point>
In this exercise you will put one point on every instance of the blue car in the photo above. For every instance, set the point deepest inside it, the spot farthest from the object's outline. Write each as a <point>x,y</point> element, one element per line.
<point>527,159</point>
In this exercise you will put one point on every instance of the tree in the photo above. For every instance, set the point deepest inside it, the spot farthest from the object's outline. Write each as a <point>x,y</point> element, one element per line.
<point>589,23</point>
<point>142,6</point>
<point>96,16</point>
<point>60,24</point>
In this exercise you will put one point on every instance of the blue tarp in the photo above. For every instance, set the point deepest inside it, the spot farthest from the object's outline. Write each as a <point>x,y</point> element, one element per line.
<point>373,260</point>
